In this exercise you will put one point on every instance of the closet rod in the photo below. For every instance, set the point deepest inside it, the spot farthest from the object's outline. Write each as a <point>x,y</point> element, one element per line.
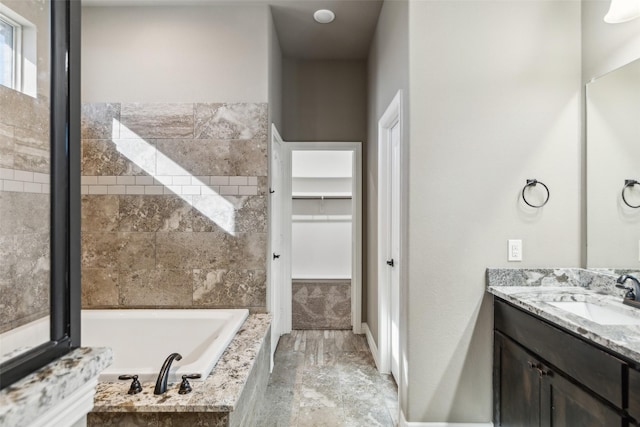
<point>321,197</point>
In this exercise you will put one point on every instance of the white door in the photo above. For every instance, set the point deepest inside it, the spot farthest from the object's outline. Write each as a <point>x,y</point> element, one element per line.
<point>276,271</point>
<point>394,241</point>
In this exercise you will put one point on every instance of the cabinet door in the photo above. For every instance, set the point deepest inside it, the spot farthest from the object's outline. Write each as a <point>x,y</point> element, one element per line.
<point>516,385</point>
<point>564,404</point>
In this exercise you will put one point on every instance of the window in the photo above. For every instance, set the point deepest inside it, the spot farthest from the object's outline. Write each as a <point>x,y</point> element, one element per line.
<point>10,36</point>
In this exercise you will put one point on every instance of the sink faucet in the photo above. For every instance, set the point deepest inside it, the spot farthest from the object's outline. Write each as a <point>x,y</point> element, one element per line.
<point>163,376</point>
<point>632,293</point>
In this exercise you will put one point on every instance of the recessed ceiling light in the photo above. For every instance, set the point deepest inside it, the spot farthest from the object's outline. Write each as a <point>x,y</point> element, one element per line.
<point>324,16</point>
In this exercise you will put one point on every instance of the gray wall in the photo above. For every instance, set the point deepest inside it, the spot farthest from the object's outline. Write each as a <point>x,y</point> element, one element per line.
<point>495,100</point>
<point>388,73</point>
<point>324,100</point>
<point>175,54</point>
<point>275,77</point>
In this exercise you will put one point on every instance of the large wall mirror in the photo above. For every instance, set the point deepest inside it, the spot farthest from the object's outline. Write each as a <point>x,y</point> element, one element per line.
<point>613,164</point>
<point>39,221</point>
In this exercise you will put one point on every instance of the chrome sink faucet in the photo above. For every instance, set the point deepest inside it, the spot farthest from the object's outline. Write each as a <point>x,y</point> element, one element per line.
<point>163,376</point>
<point>632,293</point>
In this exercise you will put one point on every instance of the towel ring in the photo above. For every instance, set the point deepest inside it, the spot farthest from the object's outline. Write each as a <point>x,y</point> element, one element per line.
<point>629,183</point>
<point>533,183</point>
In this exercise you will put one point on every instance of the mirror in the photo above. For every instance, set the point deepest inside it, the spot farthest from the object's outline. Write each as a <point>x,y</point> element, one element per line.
<point>613,158</point>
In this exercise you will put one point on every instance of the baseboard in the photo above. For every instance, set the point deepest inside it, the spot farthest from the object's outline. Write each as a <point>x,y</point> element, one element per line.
<point>405,423</point>
<point>372,344</point>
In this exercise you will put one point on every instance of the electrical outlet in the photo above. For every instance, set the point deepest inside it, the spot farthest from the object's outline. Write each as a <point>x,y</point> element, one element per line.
<point>514,250</point>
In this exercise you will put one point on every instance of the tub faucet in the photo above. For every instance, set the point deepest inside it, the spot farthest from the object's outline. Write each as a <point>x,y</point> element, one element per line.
<point>163,376</point>
<point>633,292</point>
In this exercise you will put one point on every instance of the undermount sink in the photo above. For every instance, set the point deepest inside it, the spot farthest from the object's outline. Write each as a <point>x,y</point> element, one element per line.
<point>602,314</point>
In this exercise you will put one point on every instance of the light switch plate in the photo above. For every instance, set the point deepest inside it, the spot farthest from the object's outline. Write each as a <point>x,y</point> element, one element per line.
<point>514,250</point>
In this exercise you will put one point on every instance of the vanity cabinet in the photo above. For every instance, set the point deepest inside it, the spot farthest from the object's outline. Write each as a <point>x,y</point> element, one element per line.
<point>544,376</point>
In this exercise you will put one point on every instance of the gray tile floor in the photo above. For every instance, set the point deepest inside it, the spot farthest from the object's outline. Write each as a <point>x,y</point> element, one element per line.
<point>327,378</point>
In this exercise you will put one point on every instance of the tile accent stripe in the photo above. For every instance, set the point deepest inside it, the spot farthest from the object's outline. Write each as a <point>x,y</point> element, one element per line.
<point>20,181</point>
<point>171,184</point>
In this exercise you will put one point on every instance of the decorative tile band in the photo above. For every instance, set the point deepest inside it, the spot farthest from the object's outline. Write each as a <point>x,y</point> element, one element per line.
<point>171,184</point>
<point>20,181</point>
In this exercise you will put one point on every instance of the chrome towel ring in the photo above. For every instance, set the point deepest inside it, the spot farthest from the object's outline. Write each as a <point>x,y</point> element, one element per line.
<point>533,183</point>
<point>629,183</point>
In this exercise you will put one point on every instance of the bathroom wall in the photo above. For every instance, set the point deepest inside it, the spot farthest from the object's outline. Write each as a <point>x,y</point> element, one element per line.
<point>174,205</point>
<point>388,72</point>
<point>175,131</point>
<point>175,53</point>
<point>494,100</point>
<point>24,187</point>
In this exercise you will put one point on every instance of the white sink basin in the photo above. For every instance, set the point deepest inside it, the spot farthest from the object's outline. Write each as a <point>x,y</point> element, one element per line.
<point>602,314</point>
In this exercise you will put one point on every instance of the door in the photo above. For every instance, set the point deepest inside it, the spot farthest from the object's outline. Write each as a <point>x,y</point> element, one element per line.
<point>276,241</point>
<point>564,404</point>
<point>394,240</point>
<point>516,385</point>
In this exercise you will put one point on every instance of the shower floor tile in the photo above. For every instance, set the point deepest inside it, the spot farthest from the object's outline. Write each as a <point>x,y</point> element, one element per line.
<point>327,378</point>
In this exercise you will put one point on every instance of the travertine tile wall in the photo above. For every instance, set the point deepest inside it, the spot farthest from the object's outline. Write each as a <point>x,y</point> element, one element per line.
<point>24,208</point>
<point>321,304</point>
<point>174,205</point>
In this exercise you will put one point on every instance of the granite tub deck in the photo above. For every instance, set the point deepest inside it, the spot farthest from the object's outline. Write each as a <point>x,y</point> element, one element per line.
<point>228,397</point>
<point>38,393</point>
<point>533,290</point>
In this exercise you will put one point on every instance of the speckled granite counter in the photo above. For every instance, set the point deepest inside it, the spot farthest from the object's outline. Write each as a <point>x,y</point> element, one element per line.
<point>238,372</point>
<point>533,290</point>
<point>26,400</point>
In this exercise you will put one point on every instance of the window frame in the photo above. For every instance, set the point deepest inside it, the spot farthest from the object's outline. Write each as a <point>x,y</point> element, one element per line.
<point>16,59</point>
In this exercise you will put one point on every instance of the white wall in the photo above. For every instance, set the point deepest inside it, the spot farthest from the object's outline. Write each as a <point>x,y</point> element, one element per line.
<point>388,72</point>
<point>495,99</point>
<point>175,54</point>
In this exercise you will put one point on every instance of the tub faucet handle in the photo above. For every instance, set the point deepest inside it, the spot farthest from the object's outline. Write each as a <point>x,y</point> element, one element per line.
<point>135,384</point>
<point>185,387</point>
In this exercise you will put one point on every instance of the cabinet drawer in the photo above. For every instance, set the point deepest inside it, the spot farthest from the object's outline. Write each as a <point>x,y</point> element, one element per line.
<point>634,394</point>
<point>598,371</point>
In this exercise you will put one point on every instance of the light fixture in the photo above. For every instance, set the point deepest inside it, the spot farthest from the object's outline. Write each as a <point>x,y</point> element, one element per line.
<point>622,11</point>
<point>324,16</point>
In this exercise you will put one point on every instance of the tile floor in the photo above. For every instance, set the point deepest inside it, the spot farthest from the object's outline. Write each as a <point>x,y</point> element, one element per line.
<point>327,378</point>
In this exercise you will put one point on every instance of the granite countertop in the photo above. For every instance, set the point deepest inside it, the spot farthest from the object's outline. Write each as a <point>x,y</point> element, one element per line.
<point>533,290</point>
<point>24,401</point>
<point>218,393</point>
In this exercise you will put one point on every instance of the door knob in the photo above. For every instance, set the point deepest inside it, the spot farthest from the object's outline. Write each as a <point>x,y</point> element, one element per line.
<point>390,262</point>
<point>276,256</point>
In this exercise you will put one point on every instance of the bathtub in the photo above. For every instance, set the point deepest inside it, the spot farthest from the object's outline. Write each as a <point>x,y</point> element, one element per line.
<point>142,339</point>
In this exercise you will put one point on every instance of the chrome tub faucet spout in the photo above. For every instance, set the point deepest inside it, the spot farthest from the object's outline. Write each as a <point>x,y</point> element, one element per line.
<point>163,376</point>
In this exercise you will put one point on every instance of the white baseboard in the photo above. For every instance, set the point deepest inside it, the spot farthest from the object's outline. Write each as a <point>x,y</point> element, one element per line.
<point>372,344</point>
<point>405,423</point>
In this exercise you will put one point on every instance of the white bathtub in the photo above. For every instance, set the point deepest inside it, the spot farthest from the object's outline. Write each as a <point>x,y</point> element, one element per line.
<point>142,339</point>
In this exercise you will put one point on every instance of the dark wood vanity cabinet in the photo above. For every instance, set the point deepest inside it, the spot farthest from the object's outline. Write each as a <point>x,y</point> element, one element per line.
<point>544,376</point>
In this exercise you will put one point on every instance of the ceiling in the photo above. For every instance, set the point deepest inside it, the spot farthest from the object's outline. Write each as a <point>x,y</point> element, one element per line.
<point>348,37</point>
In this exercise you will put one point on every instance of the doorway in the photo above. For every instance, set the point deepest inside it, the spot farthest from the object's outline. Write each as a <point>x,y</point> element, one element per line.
<point>318,202</point>
<point>390,262</point>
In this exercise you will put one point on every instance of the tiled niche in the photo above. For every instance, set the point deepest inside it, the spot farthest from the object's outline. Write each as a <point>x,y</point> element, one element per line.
<point>174,205</point>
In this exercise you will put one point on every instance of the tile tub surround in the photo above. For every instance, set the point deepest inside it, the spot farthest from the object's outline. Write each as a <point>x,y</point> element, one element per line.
<point>26,400</point>
<point>321,304</point>
<point>174,205</point>
<point>525,289</point>
<point>226,398</point>
<point>24,208</point>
